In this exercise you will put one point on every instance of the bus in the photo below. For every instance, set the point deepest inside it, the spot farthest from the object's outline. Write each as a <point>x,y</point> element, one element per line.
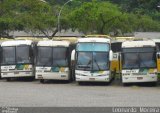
<point>17,59</point>
<point>92,58</point>
<point>157,41</point>
<point>53,60</point>
<point>139,62</point>
<point>116,44</point>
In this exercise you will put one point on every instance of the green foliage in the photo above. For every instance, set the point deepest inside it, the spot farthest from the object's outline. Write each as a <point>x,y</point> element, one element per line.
<point>94,16</point>
<point>105,17</point>
<point>88,16</point>
<point>27,15</point>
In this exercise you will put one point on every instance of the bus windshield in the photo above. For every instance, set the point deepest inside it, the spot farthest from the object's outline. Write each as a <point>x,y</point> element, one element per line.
<point>52,56</point>
<point>22,54</point>
<point>84,60</point>
<point>92,61</point>
<point>44,57</point>
<point>60,56</point>
<point>130,60</point>
<point>147,60</point>
<point>100,61</point>
<point>139,60</point>
<point>8,55</point>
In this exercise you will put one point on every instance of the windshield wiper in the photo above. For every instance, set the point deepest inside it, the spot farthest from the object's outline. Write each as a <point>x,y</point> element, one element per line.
<point>57,65</point>
<point>97,64</point>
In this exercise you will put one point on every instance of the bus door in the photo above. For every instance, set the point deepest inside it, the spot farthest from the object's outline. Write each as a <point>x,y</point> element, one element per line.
<point>115,62</point>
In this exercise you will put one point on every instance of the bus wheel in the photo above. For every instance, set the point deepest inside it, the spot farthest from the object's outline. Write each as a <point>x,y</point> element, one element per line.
<point>8,79</point>
<point>80,83</point>
<point>42,81</point>
<point>125,84</point>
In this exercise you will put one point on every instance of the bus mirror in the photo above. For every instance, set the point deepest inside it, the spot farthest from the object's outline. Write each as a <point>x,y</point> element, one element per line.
<point>110,55</point>
<point>158,55</point>
<point>73,55</point>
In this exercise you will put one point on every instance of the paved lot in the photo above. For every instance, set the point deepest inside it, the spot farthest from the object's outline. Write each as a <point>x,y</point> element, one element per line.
<point>60,94</point>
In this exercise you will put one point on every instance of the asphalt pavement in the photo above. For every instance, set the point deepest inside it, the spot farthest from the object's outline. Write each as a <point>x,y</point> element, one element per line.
<point>21,93</point>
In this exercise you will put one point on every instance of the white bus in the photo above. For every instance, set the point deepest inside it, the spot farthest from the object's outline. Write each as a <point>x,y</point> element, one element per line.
<point>139,61</point>
<point>53,60</point>
<point>92,60</point>
<point>17,59</point>
<point>157,41</point>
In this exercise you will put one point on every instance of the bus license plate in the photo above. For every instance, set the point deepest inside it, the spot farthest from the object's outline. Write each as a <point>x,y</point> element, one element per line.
<point>139,78</point>
<point>91,78</point>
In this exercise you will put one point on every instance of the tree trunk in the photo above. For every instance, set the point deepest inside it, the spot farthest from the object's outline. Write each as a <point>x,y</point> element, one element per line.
<point>54,33</point>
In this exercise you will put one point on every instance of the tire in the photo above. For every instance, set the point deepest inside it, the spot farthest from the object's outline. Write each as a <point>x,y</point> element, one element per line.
<point>80,83</point>
<point>125,84</point>
<point>42,81</point>
<point>8,79</point>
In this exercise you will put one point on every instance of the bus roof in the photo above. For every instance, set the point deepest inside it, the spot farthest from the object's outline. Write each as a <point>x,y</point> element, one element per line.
<point>104,40</point>
<point>130,44</point>
<point>16,42</point>
<point>70,39</point>
<point>97,36</point>
<point>31,38</point>
<point>53,43</point>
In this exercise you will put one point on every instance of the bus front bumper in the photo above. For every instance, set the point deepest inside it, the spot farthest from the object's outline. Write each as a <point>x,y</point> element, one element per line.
<point>52,76</point>
<point>145,78</point>
<point>16,74</point>
<point>92,79</point>
<point>97,76</point>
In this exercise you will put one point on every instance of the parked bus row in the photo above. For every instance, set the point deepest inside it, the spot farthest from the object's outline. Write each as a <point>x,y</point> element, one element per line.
<point>92,59</point>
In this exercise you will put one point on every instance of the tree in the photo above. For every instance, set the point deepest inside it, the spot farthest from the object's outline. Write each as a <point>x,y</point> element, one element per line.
<point>105,17</point>
<point>27,15</point>
<point>88,16</point>
<point>8,18</point>
<point>98,17</point>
